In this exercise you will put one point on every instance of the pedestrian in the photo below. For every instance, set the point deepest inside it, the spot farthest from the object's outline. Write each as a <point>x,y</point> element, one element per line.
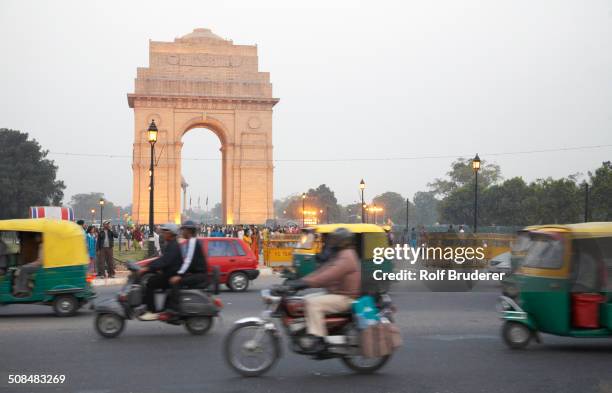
<point>247,238</point>
<point>90,237</point>
<point>137,236</point>
<point>128,238</point>
<point>106,239</point>
<point>255,243</point>
<point>413,238</point>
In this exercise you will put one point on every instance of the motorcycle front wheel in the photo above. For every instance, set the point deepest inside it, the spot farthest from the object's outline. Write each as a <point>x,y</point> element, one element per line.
<point>250,349</point>
<point>109,325</point>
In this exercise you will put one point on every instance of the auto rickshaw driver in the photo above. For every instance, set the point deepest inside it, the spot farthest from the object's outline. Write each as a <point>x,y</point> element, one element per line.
<point>21,288</point>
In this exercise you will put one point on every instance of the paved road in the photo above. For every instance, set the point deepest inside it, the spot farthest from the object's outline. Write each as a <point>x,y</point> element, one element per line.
<point>451,345</point>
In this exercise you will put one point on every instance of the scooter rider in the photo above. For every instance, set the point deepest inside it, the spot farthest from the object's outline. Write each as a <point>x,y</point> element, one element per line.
<point>340,276</point>
<point>167,266</point>
<point>194,269</point>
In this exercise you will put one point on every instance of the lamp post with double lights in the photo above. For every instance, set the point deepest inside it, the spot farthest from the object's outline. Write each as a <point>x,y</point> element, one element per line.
<point>476,168</point>
<point>152,137</point>
<point>363,206</point>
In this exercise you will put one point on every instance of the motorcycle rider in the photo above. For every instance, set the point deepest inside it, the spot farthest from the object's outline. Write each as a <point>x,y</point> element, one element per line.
<point>340,275</point>
<point>166,266</point>
<point>194,269</point>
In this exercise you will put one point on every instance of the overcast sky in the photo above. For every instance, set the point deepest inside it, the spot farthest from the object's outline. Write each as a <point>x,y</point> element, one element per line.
<point>355,80</point>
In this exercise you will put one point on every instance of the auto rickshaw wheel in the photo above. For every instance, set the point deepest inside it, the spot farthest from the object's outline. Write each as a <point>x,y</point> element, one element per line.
<point>65,305</point>
<point>516,335</point>
<point>109,325</point>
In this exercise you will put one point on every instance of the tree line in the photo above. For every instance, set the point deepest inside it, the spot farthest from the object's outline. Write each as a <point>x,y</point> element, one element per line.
<point>29,178</point>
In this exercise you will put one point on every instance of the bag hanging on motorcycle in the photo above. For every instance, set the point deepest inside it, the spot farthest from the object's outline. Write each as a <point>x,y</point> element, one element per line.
<point>193,301</point>
<point>366,312</point>
<point>134,295</point>
<point>380,339</point>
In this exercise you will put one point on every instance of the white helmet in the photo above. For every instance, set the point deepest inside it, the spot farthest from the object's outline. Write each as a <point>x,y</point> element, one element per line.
<point>170,227</point>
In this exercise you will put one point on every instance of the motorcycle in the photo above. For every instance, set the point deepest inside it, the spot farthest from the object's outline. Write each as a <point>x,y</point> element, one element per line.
<point>253,345</point>
<point>195,308</point>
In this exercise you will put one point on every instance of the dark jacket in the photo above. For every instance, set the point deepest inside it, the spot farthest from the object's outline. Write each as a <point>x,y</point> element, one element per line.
<point>171,260</point>
<point>102,236</point>
<point>198,261</point>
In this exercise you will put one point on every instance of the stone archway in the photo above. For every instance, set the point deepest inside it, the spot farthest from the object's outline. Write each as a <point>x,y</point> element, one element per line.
<point>203,81</point>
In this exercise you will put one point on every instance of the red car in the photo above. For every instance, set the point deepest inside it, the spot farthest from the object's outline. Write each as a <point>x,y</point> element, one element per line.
<point>235,259</point>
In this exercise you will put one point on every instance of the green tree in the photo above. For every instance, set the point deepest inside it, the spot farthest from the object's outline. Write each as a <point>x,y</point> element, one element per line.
<point>558,201</point>
<point>394,207</point>
<point>601,193</point>
<point>323,199</point>
<point>509,203</point>
<point>462,175</point>
<point>83,203</point>
<point>425,208</point>
<point>458,206</point>
<point>27,177</point>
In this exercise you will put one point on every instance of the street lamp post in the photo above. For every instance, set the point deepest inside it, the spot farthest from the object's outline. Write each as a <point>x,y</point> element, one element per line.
<point>476,168</point>
<point>327,214</point>
<point>152,136</point>
<point>374,209</point>
<point>101,210</point>
<point>407,211</point>
<point>362,188</point>
<point>303,207</point>
<point>93,215</point>
<point>586,201</point>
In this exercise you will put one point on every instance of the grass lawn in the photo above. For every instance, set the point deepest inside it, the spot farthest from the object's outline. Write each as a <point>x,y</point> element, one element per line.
<point>124,255</point>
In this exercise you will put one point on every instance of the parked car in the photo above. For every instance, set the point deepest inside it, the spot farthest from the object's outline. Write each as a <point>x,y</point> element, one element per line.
<point>234,258</point>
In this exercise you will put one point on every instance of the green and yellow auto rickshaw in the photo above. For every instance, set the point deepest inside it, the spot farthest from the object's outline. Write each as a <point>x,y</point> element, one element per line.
<point>62,280</point>
<point>561,284</point>
<point>367,238</point>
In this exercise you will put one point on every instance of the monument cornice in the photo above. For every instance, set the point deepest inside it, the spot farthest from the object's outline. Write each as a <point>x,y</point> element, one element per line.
<point>199,102</point>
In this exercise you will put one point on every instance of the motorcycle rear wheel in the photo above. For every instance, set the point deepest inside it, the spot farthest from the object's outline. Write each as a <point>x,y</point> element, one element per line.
<point>198,325</point>
<point>236,351</point>
<point>363,365</point>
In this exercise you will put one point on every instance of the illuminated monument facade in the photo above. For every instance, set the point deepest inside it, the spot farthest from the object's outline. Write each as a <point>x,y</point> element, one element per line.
<point>203,81</point>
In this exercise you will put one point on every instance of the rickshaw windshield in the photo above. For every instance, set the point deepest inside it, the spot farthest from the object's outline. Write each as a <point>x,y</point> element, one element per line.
<point>306,241</point>
<point>544,252</point>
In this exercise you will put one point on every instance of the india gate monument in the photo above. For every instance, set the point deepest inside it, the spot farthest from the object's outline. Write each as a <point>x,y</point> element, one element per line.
<point>203,81</point>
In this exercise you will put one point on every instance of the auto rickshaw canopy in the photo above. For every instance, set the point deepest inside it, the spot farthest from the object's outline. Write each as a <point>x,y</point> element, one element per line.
<point>63,241</point>
<point>355,228</point>
<point>579,230</point>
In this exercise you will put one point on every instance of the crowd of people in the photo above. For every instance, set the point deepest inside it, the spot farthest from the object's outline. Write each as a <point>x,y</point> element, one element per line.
<point>101,241</point>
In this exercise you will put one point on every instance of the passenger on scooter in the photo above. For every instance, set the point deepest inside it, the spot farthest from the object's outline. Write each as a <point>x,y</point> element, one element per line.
<point>165,266</point>
<point>340,276</point>
<point>193,270</point>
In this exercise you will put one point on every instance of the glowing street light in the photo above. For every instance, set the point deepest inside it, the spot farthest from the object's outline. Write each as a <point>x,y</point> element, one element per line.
<point>152,137</point>
<point>476,168</point>
<point>362,188</point>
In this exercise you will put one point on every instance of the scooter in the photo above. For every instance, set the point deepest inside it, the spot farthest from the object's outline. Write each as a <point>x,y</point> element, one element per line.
<point>196,308</point>
<point>253,345</point>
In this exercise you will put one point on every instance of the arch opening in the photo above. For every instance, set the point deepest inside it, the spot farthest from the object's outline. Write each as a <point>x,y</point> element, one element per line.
<point>202,193</point>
